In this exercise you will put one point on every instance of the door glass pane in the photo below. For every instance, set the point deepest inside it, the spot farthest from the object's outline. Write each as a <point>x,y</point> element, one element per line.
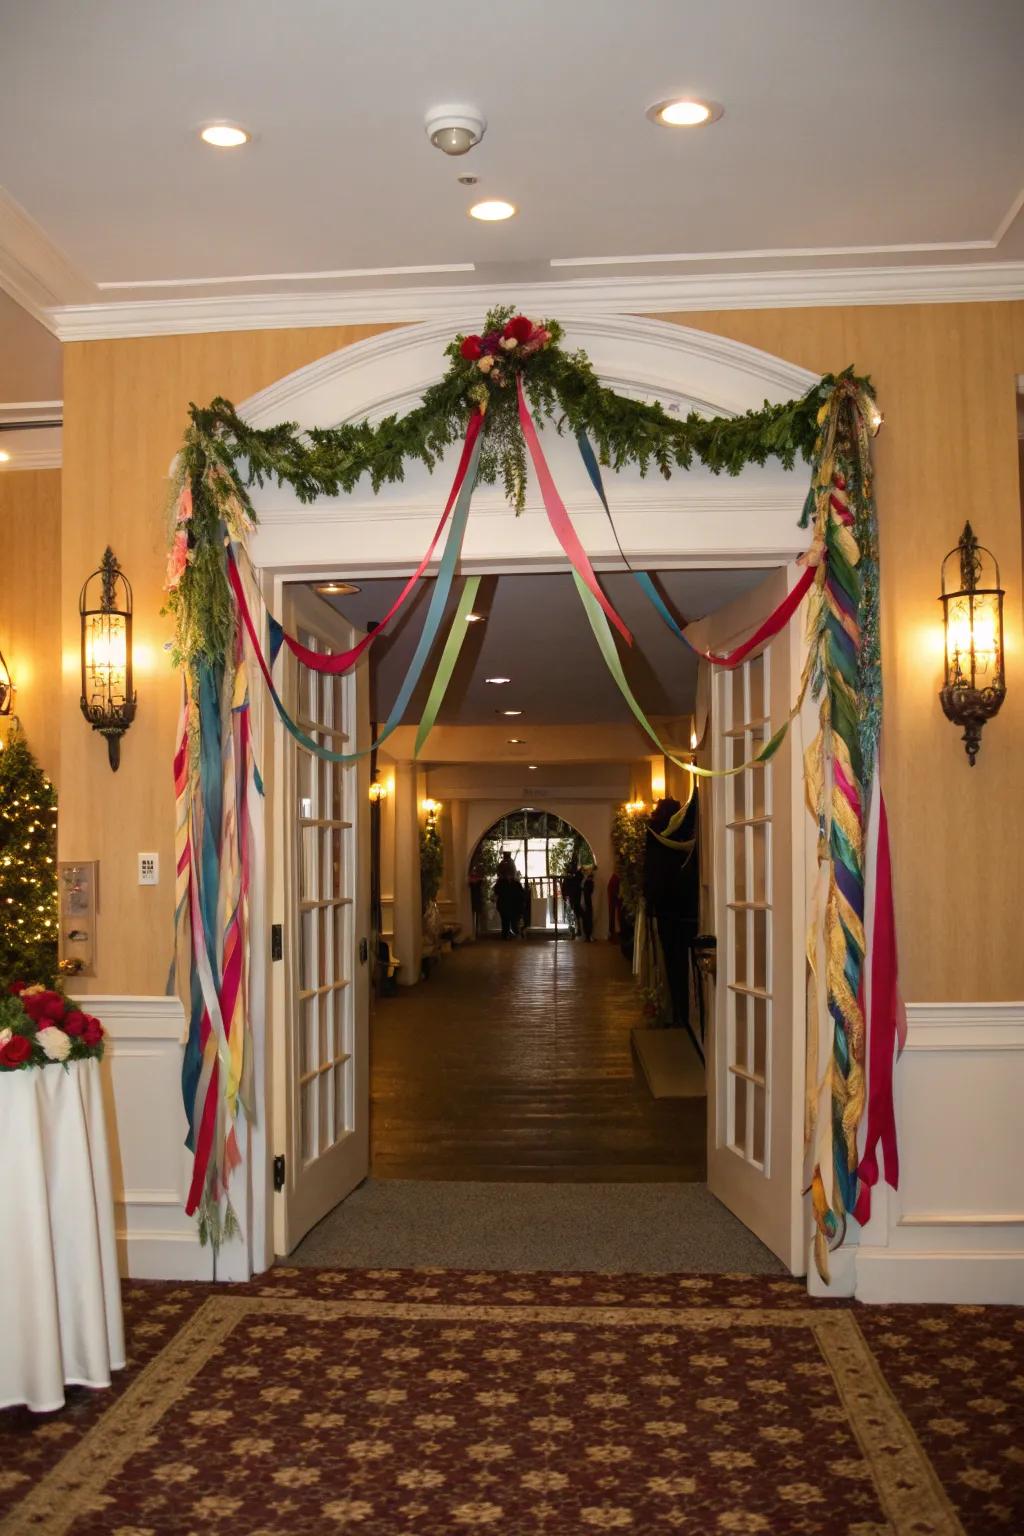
<point>755,674</point>
<point>757,1140</point>
<point>760,925</point>
<point>739,1135</point>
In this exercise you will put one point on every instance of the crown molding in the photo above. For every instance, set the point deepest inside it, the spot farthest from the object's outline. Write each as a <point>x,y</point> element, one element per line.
<point>585,297</point>
<point>13,412</point>
<point>33,271</point>
<point>35,458</point>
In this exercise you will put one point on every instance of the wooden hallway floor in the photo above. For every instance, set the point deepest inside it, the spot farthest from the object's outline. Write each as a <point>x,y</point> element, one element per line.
<point>513,1062</point>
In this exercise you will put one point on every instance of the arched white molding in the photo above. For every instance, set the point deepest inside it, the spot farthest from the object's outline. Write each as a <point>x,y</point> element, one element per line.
<point>694,518</point>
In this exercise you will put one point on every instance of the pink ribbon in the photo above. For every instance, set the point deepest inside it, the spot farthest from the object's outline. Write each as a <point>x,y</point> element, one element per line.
<point>345,659</point>
<point>559,518</point>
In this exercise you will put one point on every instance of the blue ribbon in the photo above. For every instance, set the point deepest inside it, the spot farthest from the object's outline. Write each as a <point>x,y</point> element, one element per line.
<point>435,615</point>
<point>642,578</point>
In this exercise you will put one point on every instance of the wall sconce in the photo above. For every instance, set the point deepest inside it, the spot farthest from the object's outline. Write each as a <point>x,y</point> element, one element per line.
<point>378,791</point>
<point>431,808</point>
<point>108,697</point>
<point>635,807</point>
<point>972,616</point>
<point>6,688</point>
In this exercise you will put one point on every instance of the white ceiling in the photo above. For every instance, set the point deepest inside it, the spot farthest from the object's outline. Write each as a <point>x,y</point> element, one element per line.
<point>882,135</point>
<point>537,634</point>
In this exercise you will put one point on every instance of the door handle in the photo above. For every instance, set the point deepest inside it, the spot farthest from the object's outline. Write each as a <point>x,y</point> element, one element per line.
<point>364,951</point>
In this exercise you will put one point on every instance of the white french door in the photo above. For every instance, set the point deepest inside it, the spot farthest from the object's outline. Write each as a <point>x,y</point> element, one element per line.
<point>321,1042</point>
<point>757,1055</point>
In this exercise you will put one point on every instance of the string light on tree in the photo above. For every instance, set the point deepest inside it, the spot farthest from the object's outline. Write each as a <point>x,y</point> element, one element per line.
<point>28,868</point>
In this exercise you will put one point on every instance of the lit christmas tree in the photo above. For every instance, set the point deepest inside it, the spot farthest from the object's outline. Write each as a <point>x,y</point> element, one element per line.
<point>28,868</point>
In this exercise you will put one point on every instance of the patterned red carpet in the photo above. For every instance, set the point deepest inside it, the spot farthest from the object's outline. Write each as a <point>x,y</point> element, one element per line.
<point>433,1403</point>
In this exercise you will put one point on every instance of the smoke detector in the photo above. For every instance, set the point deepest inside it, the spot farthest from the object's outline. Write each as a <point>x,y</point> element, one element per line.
<point>455,130</point>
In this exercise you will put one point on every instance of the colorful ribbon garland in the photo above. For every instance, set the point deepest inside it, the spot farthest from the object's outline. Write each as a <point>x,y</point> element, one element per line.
<point>217,787</point>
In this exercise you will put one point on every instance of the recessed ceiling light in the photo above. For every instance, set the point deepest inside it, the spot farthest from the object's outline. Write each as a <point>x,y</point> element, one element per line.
<point>5,457</point>
<point>492,210</point>
<point>509,712</point>
<point>474,618</point>
<point>532,767</point>
<point>684,112</point>
<point>225,135</point>
<point>516,741</point>
<point>336,588</point>
<point>497,681</point>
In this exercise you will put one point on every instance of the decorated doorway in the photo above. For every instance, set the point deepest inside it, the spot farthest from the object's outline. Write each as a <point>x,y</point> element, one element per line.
<point>678,397</point>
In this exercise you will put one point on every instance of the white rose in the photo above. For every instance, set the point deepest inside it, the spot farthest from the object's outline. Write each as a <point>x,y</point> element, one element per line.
<point>55,1043</point>
<point>509,343</point>
<point>5,1035</point>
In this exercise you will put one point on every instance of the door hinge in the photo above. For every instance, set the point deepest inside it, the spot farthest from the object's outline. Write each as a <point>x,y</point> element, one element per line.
<point>277,942</point>
<point>364,951</point>
<point>279,1173</point>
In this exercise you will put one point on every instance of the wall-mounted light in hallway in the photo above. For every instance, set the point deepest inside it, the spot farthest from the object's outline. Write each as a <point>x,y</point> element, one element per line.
<point>108,694</point>
<point>974,685</point>
<point>378,791</point>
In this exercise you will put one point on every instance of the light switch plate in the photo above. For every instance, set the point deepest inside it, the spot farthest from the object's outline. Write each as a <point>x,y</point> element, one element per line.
<point>149,869</point>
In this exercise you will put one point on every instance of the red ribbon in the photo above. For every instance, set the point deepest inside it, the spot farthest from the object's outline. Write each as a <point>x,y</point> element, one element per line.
<point>887,1029</point>
<point>771,625</point>
<point>345,659</point>
<point>559,518</point>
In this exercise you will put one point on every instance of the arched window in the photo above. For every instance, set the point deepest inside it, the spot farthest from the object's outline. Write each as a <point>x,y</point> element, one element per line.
<point>543,847</point>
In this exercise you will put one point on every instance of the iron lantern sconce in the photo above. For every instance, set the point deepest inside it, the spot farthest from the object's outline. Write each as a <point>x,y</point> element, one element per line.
<point>974,685</point>
<point>108,692</point>
<point>6,688</point>
<point>378,791</point>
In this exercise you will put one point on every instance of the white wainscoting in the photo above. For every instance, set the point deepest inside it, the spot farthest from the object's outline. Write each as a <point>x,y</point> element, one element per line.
<point>146,1125</point>
<point>954,1231</point>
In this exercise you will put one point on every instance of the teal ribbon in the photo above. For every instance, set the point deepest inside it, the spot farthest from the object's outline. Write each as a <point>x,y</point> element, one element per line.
<point>431,628</point>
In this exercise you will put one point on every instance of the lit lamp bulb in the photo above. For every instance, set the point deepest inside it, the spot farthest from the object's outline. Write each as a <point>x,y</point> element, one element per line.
<point>378,791</point>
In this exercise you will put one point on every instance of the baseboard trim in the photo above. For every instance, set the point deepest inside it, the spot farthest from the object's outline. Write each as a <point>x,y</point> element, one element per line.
<point>168,1255</point>
<point>988,1277</point>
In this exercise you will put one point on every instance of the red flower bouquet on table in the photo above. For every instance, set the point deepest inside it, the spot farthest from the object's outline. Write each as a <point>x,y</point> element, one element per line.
<point>39,1025</point>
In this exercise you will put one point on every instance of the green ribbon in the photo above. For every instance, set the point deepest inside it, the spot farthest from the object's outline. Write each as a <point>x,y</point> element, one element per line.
<point>449,656</point>
<point>606,644</point>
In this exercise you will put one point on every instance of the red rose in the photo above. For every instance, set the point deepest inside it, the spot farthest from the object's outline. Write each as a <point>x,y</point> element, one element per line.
<point>472,348</point>
<point>44,1005</point>
<point>92,1034</point>
<point>16,988</point>
<point>520,328</point>
<point>74,1022</point>
<point>17,1050</point>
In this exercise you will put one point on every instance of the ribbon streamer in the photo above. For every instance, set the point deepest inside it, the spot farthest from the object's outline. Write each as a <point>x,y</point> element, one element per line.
<point>771,626</point>
<point>431,628</point>
<point>559,518</point>
<point>606,644</point>
<point>343,660</point>
<point>450,655</point>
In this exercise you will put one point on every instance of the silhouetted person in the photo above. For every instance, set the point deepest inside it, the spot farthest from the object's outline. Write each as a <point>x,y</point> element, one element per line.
<point>572,896</point>
<point>672,893</point>
<point>587,904</point>
<point>508,896</point>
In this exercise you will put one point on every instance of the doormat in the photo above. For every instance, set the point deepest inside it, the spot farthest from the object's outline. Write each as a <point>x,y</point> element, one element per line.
<point>671,1065</point>
<point>390,1402</point>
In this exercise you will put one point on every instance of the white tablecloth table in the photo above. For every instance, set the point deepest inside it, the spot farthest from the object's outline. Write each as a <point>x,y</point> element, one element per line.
<point>58,1255</point>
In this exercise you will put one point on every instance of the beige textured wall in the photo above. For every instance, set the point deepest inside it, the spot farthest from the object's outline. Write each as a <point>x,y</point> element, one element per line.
<point>945,377</point>
<point>30,605</point>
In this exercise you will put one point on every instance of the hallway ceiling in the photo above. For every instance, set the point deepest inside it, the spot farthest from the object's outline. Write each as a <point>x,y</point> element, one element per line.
<point>882,136</point>
<point>537,634</point>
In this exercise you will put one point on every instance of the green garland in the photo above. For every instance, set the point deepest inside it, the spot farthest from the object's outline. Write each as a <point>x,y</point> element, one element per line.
<point>222,456</point>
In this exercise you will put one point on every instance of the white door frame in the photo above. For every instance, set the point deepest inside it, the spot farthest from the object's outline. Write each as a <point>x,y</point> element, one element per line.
<point>693,521</point>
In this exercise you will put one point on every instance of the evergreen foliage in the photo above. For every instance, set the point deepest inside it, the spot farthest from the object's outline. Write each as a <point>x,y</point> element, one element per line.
<point>431,862</point>
<point>223,456</point>
<point>629,842</point>
<point>28,868</point>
